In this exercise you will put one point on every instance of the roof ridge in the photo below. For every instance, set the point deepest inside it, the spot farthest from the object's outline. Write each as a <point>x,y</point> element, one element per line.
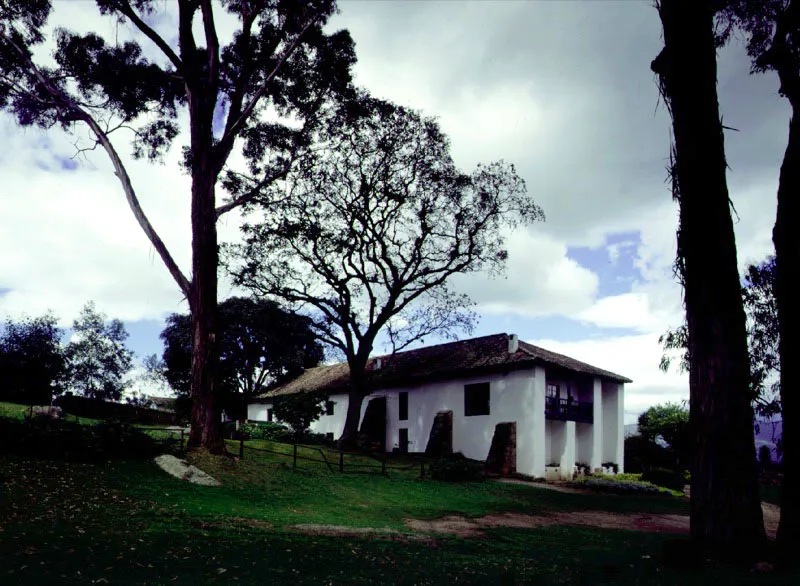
<point>440,345</point>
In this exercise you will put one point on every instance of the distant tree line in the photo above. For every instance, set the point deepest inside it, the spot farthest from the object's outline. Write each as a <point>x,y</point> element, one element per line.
<point>36,366</point>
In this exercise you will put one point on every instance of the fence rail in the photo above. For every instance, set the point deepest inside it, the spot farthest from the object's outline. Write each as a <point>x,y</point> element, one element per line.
<point>334,461</point>
<point>380,465</point>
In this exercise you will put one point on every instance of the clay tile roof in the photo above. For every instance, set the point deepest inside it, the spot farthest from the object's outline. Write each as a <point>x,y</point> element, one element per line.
<point>443,361</point>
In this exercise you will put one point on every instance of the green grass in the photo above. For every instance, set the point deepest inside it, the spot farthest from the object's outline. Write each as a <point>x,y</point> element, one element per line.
<point>13,410</point>
<point>127,522</point>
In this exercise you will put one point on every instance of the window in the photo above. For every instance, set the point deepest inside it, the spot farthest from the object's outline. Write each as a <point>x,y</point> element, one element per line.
<point>476,399</point>
<point>269,414</point>
<point>329,407</point>
<point>403,406</point>
<point>553,391</point>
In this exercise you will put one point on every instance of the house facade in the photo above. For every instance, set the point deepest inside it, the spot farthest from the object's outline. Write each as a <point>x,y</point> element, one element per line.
<point>565,412</point>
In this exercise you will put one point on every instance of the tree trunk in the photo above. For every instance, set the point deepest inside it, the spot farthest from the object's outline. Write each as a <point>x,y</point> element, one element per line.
<point>206,429</point>
<point>355,398</point>
<point>725,509</point>
<point>786,238</point>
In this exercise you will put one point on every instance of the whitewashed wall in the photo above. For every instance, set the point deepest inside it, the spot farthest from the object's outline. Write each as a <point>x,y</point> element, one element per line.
<point>517,396</point>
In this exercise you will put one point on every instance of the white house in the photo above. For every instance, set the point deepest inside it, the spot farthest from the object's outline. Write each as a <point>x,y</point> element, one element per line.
<point>564,412</point>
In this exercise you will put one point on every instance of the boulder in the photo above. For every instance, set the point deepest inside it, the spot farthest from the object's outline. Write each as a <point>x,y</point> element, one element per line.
<point>183,470</point>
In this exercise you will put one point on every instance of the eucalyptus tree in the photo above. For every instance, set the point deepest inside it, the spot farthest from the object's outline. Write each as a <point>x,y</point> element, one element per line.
<point>725,507</point>
<point>254,91</point>
<point>772,32</point>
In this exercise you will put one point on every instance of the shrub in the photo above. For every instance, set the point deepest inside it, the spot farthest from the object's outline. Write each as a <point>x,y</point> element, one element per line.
<point>266,431</point>
<point>57,439</point>
<point>456,468</point>
<point>664,477</point>
<point>622,484</point>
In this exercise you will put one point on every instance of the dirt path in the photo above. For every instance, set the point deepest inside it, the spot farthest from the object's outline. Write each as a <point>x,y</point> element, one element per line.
<point>658,523</point>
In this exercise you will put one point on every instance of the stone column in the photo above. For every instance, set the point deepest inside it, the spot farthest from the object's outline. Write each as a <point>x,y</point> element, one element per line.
<point>567,462</point>
<point>597,425</point>
<point>537,455</point>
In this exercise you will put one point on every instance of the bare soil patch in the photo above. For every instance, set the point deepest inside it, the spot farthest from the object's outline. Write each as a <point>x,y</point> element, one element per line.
<point>342,531</point>
<point>657,523</point>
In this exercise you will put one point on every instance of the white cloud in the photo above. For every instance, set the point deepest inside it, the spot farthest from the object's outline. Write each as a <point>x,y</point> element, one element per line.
<point>540,280</point>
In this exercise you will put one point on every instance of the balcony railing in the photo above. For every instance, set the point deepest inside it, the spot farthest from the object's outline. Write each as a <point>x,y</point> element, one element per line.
<point>568,410</point>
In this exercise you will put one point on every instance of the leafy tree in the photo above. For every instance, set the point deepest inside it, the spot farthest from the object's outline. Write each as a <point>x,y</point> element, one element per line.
<point>725,508</point>
<point>668,422</point>
<point>370,229</point>
<point>762,339</point>
<point>255,93</point>
<point>299,410</point>
<point>97,358</point>
<point>32,362</point>
<point>260,345</point>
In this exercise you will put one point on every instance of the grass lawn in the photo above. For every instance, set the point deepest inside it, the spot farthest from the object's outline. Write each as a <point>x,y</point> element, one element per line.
<point>127,522</point>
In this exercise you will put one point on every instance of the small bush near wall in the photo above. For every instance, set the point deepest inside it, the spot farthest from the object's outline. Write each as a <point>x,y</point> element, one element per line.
<point>664,477</point>
<point>456,468</point>
<point>267,431</point>
<point>622,484</point>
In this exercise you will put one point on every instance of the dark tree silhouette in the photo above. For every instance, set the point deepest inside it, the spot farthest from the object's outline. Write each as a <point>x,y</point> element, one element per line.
<point>772,29</point>
<point>762,339</point>
<point>32,362</point>
<point>367,232</point>
<point>260,345</point>
<point>279,61</point>
<point>725,507</point>
<point>97,359</point>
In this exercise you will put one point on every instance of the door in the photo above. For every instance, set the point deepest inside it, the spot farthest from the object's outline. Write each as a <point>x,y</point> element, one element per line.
<point>403,440</point>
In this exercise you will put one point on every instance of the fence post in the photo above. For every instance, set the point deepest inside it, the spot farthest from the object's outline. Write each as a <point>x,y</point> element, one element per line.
<point>341,461</point>
<point>241,448</point>
<point>181,439</point>
<point>294,457</point>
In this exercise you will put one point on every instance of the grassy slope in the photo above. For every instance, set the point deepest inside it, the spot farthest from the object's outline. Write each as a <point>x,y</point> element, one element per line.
<point>126,522</point>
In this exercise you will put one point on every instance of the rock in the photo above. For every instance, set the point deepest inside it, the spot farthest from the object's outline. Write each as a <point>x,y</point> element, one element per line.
<point>183,470</point>
<point>46,411</point>
<point>763,568</point>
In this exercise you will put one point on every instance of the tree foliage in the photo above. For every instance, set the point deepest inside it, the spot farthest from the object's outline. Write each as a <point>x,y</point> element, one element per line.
<point>32,361</point>
<point>260,345</point>
<point>255,93</point>
<point>97,357</point>
<point>366,232</point>
<point>668,422</point>
<point>299,410</point>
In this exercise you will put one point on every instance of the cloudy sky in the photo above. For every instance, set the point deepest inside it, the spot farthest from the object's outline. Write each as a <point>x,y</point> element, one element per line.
<point>561,89</point>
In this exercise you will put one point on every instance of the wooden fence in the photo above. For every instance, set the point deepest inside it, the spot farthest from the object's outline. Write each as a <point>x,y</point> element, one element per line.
<point>333,460</point>
<point>338,460</point>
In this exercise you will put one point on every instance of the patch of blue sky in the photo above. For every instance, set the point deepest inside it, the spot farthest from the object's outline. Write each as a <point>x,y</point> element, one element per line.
<point>613,262</point>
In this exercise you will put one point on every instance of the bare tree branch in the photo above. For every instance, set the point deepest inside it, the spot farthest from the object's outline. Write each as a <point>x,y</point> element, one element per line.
<point>127,10</point>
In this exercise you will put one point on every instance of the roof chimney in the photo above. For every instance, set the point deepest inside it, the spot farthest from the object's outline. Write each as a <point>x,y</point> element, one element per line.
<point>513,344</point>
<point>378,363</point>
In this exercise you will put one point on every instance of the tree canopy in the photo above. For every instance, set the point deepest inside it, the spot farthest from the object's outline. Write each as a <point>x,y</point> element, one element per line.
<point>97,357</point>
<point>32,361</point>
<point>260,345</point>
<point>366,232</point>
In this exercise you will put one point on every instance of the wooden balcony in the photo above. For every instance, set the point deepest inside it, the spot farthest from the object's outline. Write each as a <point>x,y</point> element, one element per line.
<point>568,410</point>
